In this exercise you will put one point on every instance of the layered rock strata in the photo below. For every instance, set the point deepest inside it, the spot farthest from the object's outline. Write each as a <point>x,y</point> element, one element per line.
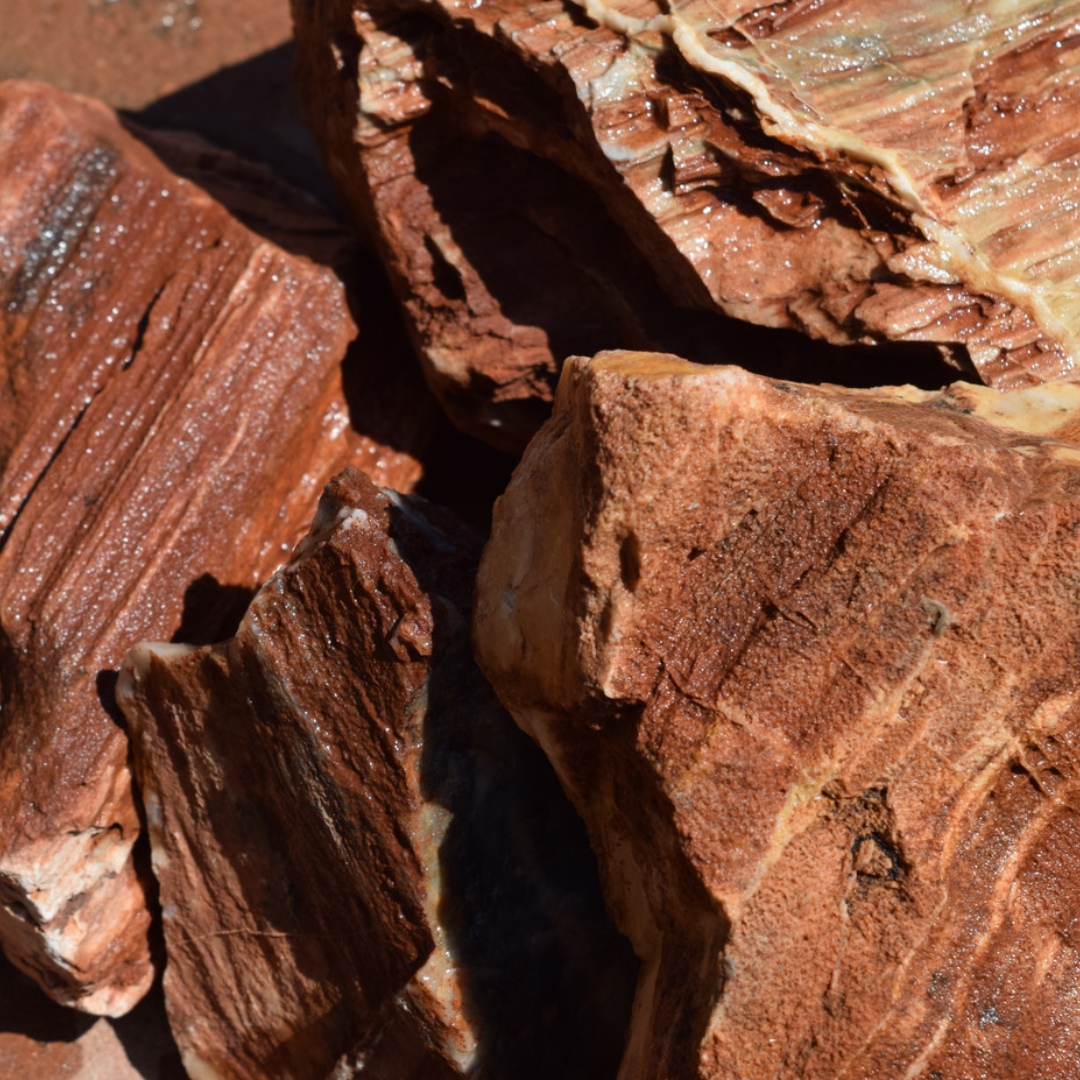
<point>805,659</point>
<point>171,402</point>
<point>844,170</point>
<point>364,866</point>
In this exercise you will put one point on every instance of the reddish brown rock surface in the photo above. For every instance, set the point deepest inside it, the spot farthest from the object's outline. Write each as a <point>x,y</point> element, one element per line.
<point>505,263</point>
<point>171,402</point>
<point>538,181</point>
<point>359,856</point>
<point>806,661</point>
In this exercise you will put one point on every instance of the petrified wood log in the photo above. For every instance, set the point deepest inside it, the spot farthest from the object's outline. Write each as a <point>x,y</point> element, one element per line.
<point>504,262</point>
<point>354,843</point>
<point>806,659</point>
<point>170,404</point>
<point>848,170</point>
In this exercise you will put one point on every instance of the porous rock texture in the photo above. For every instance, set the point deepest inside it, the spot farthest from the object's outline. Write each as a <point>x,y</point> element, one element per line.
<point>805,658</point>
<point>171,403</point>
<point>365,868</point>
<point>845,169</point>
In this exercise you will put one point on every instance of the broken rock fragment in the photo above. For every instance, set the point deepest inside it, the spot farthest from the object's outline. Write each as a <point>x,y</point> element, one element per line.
<point>364,866</point>
<point>846,170</point>
<point>170,404</point>
<point>806,661</point>
<point>505,262</point>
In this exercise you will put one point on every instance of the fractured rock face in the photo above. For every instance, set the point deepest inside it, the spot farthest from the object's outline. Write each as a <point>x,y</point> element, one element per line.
<point>734,149</point>
<point>806,661</point>
<point>505,262</point>
<point>170,404</point>
<point>364,866</point>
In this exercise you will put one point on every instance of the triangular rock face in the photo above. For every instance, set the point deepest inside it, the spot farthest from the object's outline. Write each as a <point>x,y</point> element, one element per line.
<point>361,860</point>
<point>171,403</point>
<point>806,660</point>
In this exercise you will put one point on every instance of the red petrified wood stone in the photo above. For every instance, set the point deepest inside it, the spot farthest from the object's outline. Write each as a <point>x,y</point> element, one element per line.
<point>170,405</point>
<point>806,659</point>
<point>505,262</point>
<point>361,859</point>
<point>543,173</point>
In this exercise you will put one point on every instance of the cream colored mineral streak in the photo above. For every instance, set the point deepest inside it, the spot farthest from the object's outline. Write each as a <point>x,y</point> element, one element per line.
<point>789,82</point>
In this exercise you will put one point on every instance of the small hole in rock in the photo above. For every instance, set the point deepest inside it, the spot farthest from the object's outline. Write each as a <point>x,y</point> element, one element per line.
<point>630,563</point>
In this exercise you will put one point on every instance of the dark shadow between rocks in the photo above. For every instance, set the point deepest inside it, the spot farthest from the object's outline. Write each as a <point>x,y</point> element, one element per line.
<point>385,392</point>
<point>251,109</point>
<point>28,1013</point>
<point>550,253</point>
<point>105,685</point>
<point>465,475</point>
<point>211,612</point>
<point>547,980</point>
<point>26,1010</point>
<point>147,1040</point>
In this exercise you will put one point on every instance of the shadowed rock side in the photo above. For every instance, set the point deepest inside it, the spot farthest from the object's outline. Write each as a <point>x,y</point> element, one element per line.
<point>40,1040</point>
<point>171,403</point>
<point>806,660</point>
<point>510,243</point>
<point>664,188</point>
<point>365,868</point>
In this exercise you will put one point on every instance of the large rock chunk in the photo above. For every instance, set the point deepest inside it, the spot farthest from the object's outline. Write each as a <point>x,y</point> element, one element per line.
<point>806,661</point>
<point>734,148</point>
<point>171,402</point>
<point>505,262</point>
<point>359,855</point>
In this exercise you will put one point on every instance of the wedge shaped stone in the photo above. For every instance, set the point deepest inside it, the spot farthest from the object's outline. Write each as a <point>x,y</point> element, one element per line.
<point>365,868</point>
<point>805,658</point>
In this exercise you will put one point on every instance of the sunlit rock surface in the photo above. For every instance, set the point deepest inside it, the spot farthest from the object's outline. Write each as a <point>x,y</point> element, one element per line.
<point>510,246</point>
<point>365,868</point>
<point>544,176</point>
<point>805,659</point>
<point>171,403</point>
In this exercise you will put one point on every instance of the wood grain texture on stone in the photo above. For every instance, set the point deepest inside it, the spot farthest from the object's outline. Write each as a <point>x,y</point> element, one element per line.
<point>734,203</point>
<point>382,408</point>
<point>505,262</point>
<point>805,658</point>
<point>171,403</point>
<point>364,867</point>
